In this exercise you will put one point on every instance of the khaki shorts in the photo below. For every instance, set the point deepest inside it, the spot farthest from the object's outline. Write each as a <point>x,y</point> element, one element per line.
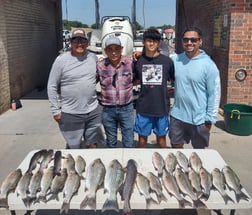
<point>181,133</point>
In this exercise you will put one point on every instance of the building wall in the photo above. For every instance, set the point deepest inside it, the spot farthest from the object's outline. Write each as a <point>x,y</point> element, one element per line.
<point>240,52</point>
<point>30,40</point>
<point>226,27</point>
<point>4,75</point>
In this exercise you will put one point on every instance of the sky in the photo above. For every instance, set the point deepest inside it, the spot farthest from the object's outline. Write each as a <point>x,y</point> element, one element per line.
<point>148,12</point>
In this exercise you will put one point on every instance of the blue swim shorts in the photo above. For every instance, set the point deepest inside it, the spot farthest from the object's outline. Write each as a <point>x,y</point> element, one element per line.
<point>145,124</point>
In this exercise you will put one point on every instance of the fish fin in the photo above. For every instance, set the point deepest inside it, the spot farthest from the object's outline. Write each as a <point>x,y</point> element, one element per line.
<point>110,204</point>
<point>227,198</point>
<point>88,201</point>
<point>65,207</point>
<point>120,191</point>
<point>241,195</point>
<point>4,203</point>
<point>199,204</point>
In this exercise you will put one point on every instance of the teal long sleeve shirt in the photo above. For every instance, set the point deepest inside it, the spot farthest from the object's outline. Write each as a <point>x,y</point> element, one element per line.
<point>197,89</point>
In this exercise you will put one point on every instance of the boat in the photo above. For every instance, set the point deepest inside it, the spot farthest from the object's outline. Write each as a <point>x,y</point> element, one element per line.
<point>118,26</point>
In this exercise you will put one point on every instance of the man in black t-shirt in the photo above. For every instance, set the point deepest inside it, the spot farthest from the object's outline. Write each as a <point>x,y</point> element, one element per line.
<point>152,71</point>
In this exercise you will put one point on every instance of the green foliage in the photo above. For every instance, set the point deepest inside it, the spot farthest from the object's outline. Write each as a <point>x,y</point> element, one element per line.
<point>73,24</point>
<point>76,24</point>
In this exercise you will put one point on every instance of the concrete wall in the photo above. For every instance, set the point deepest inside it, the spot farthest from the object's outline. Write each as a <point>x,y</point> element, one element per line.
<point>30,38</point>
<point>226,27</point>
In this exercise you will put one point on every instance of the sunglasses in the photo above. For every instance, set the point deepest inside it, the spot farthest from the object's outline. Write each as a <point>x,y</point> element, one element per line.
<point>79,40</point>
<point>192,39</point>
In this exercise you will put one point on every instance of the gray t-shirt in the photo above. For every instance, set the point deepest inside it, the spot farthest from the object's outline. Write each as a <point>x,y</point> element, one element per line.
<point>72,80</point>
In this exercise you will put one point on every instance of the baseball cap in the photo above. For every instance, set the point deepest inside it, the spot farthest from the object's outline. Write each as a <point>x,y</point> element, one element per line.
<point>78,32</point>
<point>112,41</point>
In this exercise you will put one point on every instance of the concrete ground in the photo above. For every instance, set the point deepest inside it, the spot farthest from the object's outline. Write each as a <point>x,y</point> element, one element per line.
<point>32,127</point>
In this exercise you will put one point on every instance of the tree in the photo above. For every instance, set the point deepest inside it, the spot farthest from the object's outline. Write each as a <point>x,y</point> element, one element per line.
<point>73,24</point>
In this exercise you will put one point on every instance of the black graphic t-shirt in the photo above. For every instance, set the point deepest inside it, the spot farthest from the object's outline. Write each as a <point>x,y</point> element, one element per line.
<point>153,73</point>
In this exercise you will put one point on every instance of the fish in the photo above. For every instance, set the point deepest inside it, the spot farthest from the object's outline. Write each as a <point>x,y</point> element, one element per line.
<point>69,163</point>
<point>143,185</point>
<point>158,163</point>
<point>35,159</point>
<point>34,187</point>
<point>233,182</point>
<point>195,162</point>
<point>57,185</point>
<point>172,188</point>
<point>194,178</point>
<point>80,165</point>
<point>112,182</point>
<point>48,156</point>
<point>94,180</point>
<point>128,185</point>
<point>8,185</point>
<point>57,162</point>
<point>206,182</point>
<point>156,186</point>
<point>219,184</point>
<point>170,162</point>
<point>46,181</point>
<point>23,187</point>
<point>186,188</point>
<point>71,188</point>
<point>182,161</point>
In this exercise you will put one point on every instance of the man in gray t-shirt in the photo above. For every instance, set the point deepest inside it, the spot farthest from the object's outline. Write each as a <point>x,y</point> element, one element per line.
<point>72,94</point>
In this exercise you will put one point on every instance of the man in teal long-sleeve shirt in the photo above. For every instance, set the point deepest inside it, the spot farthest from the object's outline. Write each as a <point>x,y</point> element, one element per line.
<point>197,93</point>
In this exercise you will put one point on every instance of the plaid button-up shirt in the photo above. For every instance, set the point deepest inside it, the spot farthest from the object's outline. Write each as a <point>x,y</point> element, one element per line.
<point>116,82</point>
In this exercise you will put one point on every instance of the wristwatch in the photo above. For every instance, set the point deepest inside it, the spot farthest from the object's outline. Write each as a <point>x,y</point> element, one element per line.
<point>208,123</point>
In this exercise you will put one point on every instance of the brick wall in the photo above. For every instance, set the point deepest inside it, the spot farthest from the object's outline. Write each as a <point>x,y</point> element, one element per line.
<point>240,53</point>
<point>226,27</point>
<point>32,40</point>
<point>4,75</point>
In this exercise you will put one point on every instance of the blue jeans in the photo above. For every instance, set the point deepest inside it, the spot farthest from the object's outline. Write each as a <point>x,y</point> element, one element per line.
<point>115,117</point>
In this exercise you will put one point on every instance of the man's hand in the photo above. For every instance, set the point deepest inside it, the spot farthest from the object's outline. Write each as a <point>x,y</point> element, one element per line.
<point>57,117</point>
<point>136,55</point>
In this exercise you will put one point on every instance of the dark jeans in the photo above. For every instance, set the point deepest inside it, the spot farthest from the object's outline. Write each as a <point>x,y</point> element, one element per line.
<point>115,117</point>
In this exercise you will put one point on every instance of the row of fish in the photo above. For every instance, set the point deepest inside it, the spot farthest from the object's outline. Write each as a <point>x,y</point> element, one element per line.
<point>187,176</point>
<point>50,173</point>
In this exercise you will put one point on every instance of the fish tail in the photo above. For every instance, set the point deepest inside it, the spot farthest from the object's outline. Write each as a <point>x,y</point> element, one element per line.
<point>199,204</point>
<point>29,201</point>
<point>227,198</point>
<point>42,198</point>
<point>65,207</point>
<point>25,201</point>
<point>200,194</point>
<point>161,197</point>
<point>88,201</point>
<point>53,196</point>
<point>126,208</point>
<point>240,196</point>
<point>110,204</point>
<point>160,173</point>
<point>149,202</point>
<point>204,196</point>
<point>184,202</point>
<point>4,203</point>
